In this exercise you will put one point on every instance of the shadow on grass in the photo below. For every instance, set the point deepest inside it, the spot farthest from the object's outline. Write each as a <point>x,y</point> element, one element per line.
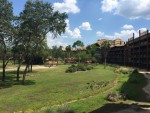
<point>134,87</point>
<point>120,107</point>
<point>10,80</point>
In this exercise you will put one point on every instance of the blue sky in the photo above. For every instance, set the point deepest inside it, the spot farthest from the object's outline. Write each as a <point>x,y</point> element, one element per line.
<point>90,20</point>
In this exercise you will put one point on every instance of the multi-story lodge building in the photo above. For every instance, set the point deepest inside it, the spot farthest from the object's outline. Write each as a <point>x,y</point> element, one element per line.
<point>113,43</point>
<point>135,53</point>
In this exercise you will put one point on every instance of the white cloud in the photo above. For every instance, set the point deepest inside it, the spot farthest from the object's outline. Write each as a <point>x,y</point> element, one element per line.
<point>68,6</point>
<point>85,26</point>
<point>142,29</point>
<point>55,42</point>
<point>100,34</point>
<point>75,33</point>
<point>124,34</point>
<point>126,26</point>
<point>109,5</point>
<point>72,34</point>
<point>132,9</point>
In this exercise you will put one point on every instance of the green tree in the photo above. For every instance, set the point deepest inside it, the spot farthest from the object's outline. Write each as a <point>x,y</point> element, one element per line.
<point>6,30</point>
<point>57,53</point>
<point>78,45</point>
<point>68,50</point>
<point>105,47</point>
<point>36,20</point>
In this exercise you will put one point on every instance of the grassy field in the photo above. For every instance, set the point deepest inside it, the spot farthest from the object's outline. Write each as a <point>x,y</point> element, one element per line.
<point>52,87</point>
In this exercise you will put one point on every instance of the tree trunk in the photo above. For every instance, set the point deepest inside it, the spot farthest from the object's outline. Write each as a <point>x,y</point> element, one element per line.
<point>105,63</point>
<point>24,74</point>
<point>18,70</point>
<point>3,76</point>
<point>4,58</point>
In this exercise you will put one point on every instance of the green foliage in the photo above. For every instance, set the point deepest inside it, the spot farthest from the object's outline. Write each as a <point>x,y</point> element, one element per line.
<point>89,67</point>
<point>6,31</point>
<point>84,56</point>
<point>105,47</point>
<point>78,43</point>
<point>114,65</point>
<point>81,67</point>
<point>123,70</point>
<point>97,85</point>
<point>71,69</point>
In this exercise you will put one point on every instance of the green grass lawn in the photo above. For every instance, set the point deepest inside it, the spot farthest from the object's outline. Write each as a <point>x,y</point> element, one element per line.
<point>49,87</point>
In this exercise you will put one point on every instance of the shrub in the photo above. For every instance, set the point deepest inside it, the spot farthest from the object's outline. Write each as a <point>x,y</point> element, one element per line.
<point>71,69</point>
<point>89,67</point>
<point>64,109</point>
<point>81,67</point>
<point>123,70</point>
<point>97,85</point>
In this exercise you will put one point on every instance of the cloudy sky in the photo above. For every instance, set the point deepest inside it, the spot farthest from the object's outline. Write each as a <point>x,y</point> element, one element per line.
<point>90,20</point>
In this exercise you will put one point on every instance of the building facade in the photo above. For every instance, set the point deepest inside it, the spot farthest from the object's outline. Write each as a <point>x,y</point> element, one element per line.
<point>135,53</point>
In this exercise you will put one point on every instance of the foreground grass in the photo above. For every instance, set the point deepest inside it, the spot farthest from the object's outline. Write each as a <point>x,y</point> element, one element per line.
<point>49,87</point>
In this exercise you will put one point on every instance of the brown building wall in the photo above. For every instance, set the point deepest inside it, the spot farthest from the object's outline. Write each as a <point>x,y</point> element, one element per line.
<point>136,52</point>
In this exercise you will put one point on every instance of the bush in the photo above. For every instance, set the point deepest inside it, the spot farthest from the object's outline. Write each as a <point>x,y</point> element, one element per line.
<point>81,67</point>
<point>123,70</point>
<point>97,85</point>
<point>71,69</point>
<point>89,67</point>
<point>65,109</point>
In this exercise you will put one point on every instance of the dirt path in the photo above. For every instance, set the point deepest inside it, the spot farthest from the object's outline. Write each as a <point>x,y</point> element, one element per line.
<point>35,67</point>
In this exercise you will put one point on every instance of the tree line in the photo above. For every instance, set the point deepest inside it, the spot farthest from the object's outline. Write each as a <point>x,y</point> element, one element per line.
<point>25,35</point>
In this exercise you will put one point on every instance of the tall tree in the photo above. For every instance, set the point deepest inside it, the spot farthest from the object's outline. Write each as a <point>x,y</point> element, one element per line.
<point>57,53</point>
<point>68,50</point>
<point>105,47</point>
<point>36,20</point>
<point>6,28</point>
<point>78,45</point>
